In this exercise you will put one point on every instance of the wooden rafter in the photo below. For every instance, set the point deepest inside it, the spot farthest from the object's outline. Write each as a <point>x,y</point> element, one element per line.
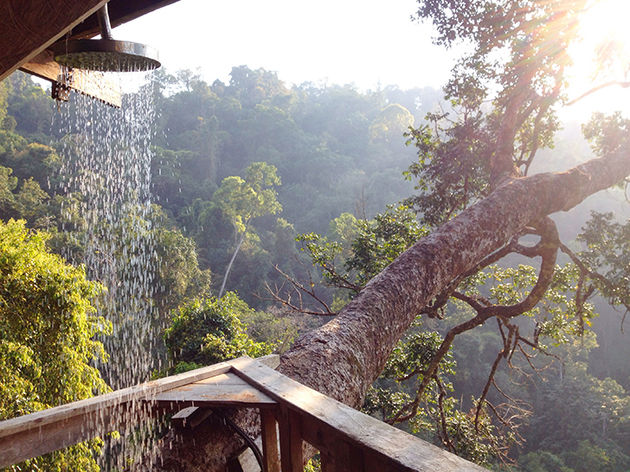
<point>120,12</point>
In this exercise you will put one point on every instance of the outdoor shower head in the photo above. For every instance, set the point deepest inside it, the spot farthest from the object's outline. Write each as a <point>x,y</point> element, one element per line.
<point>106,54</point>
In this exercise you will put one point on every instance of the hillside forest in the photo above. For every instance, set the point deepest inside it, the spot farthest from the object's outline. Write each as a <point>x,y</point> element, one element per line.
<point>271,206</point>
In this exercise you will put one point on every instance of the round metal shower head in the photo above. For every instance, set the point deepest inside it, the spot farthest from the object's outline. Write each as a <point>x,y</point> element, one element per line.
<point>106,55</point>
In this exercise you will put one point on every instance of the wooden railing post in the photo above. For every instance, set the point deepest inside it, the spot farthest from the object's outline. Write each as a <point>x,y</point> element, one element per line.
<point>269,435</point>
<point>291,457</point>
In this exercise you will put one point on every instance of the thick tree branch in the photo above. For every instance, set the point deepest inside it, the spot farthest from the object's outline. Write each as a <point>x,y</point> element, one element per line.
<point>344,357</point>
<point>352,349</point>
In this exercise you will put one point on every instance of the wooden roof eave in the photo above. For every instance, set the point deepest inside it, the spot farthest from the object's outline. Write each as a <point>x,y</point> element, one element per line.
<point>29,28</point>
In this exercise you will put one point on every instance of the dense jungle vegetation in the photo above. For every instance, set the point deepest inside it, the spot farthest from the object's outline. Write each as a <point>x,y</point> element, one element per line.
<point>264,191</point>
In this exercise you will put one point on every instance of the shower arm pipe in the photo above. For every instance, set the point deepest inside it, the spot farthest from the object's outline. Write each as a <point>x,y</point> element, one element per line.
<point>103,21</point>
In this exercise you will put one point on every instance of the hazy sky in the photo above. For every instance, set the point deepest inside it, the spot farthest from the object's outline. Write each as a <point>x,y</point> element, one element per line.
<point>364,42</point>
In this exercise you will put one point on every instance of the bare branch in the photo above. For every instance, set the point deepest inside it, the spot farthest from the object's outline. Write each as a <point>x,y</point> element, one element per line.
<point>298,289</point>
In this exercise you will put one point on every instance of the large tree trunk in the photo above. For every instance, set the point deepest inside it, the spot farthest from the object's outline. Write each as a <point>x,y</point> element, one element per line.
<point>344,357</point>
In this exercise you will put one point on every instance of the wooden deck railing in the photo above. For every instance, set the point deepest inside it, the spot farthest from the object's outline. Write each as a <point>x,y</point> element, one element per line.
<point>291,414</point>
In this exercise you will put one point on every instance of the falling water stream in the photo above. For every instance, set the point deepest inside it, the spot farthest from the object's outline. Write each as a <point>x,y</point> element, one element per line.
<point>107,168</point>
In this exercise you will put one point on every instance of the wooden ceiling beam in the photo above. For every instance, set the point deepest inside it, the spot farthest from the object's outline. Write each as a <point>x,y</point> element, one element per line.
<point>120,12</point>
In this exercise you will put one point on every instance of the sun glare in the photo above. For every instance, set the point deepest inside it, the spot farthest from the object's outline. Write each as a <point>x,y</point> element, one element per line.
<point>602,56</point>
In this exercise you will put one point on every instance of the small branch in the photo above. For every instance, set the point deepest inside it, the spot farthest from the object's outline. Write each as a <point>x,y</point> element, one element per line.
<point>486,388</point>
<point>445,439</point>
<point>299,289</point>
<point>473,302</point>
<point>584,269</point>
<point>507,347</point>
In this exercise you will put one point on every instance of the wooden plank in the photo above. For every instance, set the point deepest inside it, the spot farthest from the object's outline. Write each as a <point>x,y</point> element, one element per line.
<point>398,450</point>
<point>336,453</point>
<point>67,424</point>
<point>269,433</point>
<point>220,390</point>
<point>50,437</point>
<point>270,360</point>
<point>29,27</point>
<point>93,83</point>
<point>190,417</point>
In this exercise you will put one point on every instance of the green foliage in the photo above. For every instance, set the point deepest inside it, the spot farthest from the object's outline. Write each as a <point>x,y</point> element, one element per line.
<point>607,134</point>
<point>30,106</point>
<point>4,94</point>
<point>207,331</point>
<point>30,203</point>
<point>381,240</point>
<point>179,277</point>
<point>542,461</point>
<point>254,196</point>
<point>451,172</point>
<point>603,407</point>
<point>436,416</point>
<point>590,456</point>
<point>405,370</point>
<point>272,329</point>
<point>393,121</point>
<point>318,138</point>
<point>47,336</point>
<point>607,246</point>
<point>242,200</point>
<point>363,247</point>
<point>8,183</point>
<point>557,318</point>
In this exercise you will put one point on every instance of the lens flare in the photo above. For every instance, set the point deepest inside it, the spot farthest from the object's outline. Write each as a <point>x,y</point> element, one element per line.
<point>601,57</point>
